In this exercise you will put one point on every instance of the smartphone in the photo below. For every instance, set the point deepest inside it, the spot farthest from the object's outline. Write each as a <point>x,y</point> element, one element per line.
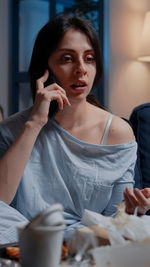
<point>54,104</point>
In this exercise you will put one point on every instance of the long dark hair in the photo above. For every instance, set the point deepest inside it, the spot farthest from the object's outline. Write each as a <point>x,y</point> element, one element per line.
<point>48,39</point>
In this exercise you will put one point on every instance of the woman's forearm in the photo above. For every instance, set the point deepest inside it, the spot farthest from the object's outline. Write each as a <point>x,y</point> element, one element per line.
<point>13,163</point>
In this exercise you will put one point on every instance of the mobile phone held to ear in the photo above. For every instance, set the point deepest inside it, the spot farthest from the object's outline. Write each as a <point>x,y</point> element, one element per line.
<point>53,105</point>
<point>53,109</point>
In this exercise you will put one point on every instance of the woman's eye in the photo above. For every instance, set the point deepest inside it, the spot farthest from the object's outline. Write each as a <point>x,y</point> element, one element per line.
<point>90,58</point>
<point>66,59</point>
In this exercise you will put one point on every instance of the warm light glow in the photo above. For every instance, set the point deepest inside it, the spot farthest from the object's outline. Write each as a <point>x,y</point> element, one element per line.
<point>144,53</point>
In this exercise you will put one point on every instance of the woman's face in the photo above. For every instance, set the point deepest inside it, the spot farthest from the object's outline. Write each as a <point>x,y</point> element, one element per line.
<point>73,64</point>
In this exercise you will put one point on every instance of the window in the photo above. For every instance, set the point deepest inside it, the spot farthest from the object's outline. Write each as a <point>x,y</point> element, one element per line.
<point>28,18</point>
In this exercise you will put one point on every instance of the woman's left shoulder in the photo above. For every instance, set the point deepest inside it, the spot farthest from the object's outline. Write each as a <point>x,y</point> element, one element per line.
<point>120,131</point>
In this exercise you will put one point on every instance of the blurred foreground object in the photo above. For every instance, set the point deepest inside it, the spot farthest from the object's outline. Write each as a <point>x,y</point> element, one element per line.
<point>41,240</point>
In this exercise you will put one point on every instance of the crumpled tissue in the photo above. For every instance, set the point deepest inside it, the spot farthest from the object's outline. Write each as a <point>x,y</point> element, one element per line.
<point>121,227</point>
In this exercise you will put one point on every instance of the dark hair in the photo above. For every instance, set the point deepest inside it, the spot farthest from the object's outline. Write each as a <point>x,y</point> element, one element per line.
<point>48,39</point>
<point>1,110</point>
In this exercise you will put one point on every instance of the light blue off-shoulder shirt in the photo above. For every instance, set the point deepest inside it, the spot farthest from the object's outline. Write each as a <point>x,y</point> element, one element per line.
<point>63,169</point>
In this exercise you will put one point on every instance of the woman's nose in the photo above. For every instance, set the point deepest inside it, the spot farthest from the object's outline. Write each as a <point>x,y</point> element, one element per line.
<point>80,67</point>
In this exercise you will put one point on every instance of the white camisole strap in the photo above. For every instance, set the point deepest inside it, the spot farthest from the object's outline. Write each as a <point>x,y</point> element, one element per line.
<point>104,138</point>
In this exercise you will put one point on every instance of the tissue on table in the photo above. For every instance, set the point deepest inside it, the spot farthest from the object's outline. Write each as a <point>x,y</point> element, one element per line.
<point>120,228</point>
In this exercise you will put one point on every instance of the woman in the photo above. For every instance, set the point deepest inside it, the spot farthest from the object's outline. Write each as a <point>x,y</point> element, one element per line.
<point>83,157</point>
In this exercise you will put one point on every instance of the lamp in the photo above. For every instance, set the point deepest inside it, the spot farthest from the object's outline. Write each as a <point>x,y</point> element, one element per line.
<point>144,53</point>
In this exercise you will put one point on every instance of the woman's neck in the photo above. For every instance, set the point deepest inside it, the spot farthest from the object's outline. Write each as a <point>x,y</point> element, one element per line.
<point>73,116</point>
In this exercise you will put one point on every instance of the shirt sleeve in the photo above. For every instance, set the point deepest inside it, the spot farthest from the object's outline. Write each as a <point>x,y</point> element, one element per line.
<point>116,198</point>
<point>6,140</point>
<point>10,219</point>
<point>10,128</point>
<point>127,180</point>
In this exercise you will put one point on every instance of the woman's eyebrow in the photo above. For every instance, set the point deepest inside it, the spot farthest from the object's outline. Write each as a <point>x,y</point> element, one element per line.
<point>72,50</point>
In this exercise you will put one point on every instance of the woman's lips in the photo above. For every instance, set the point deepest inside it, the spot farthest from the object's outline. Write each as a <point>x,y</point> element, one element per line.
<point>79,86</point>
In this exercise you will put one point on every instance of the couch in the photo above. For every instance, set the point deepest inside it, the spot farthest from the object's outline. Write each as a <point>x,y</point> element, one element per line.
<point>140,122</point>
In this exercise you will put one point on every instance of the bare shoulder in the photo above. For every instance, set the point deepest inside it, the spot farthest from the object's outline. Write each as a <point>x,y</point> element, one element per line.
<point>120,132</point>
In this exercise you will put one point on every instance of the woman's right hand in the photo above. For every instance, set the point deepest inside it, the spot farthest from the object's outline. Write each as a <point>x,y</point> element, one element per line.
<point>19,152</point>
<point>44,96</point>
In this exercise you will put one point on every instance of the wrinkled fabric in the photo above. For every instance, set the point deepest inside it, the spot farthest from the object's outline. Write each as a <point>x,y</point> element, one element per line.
<point>63,169</point>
